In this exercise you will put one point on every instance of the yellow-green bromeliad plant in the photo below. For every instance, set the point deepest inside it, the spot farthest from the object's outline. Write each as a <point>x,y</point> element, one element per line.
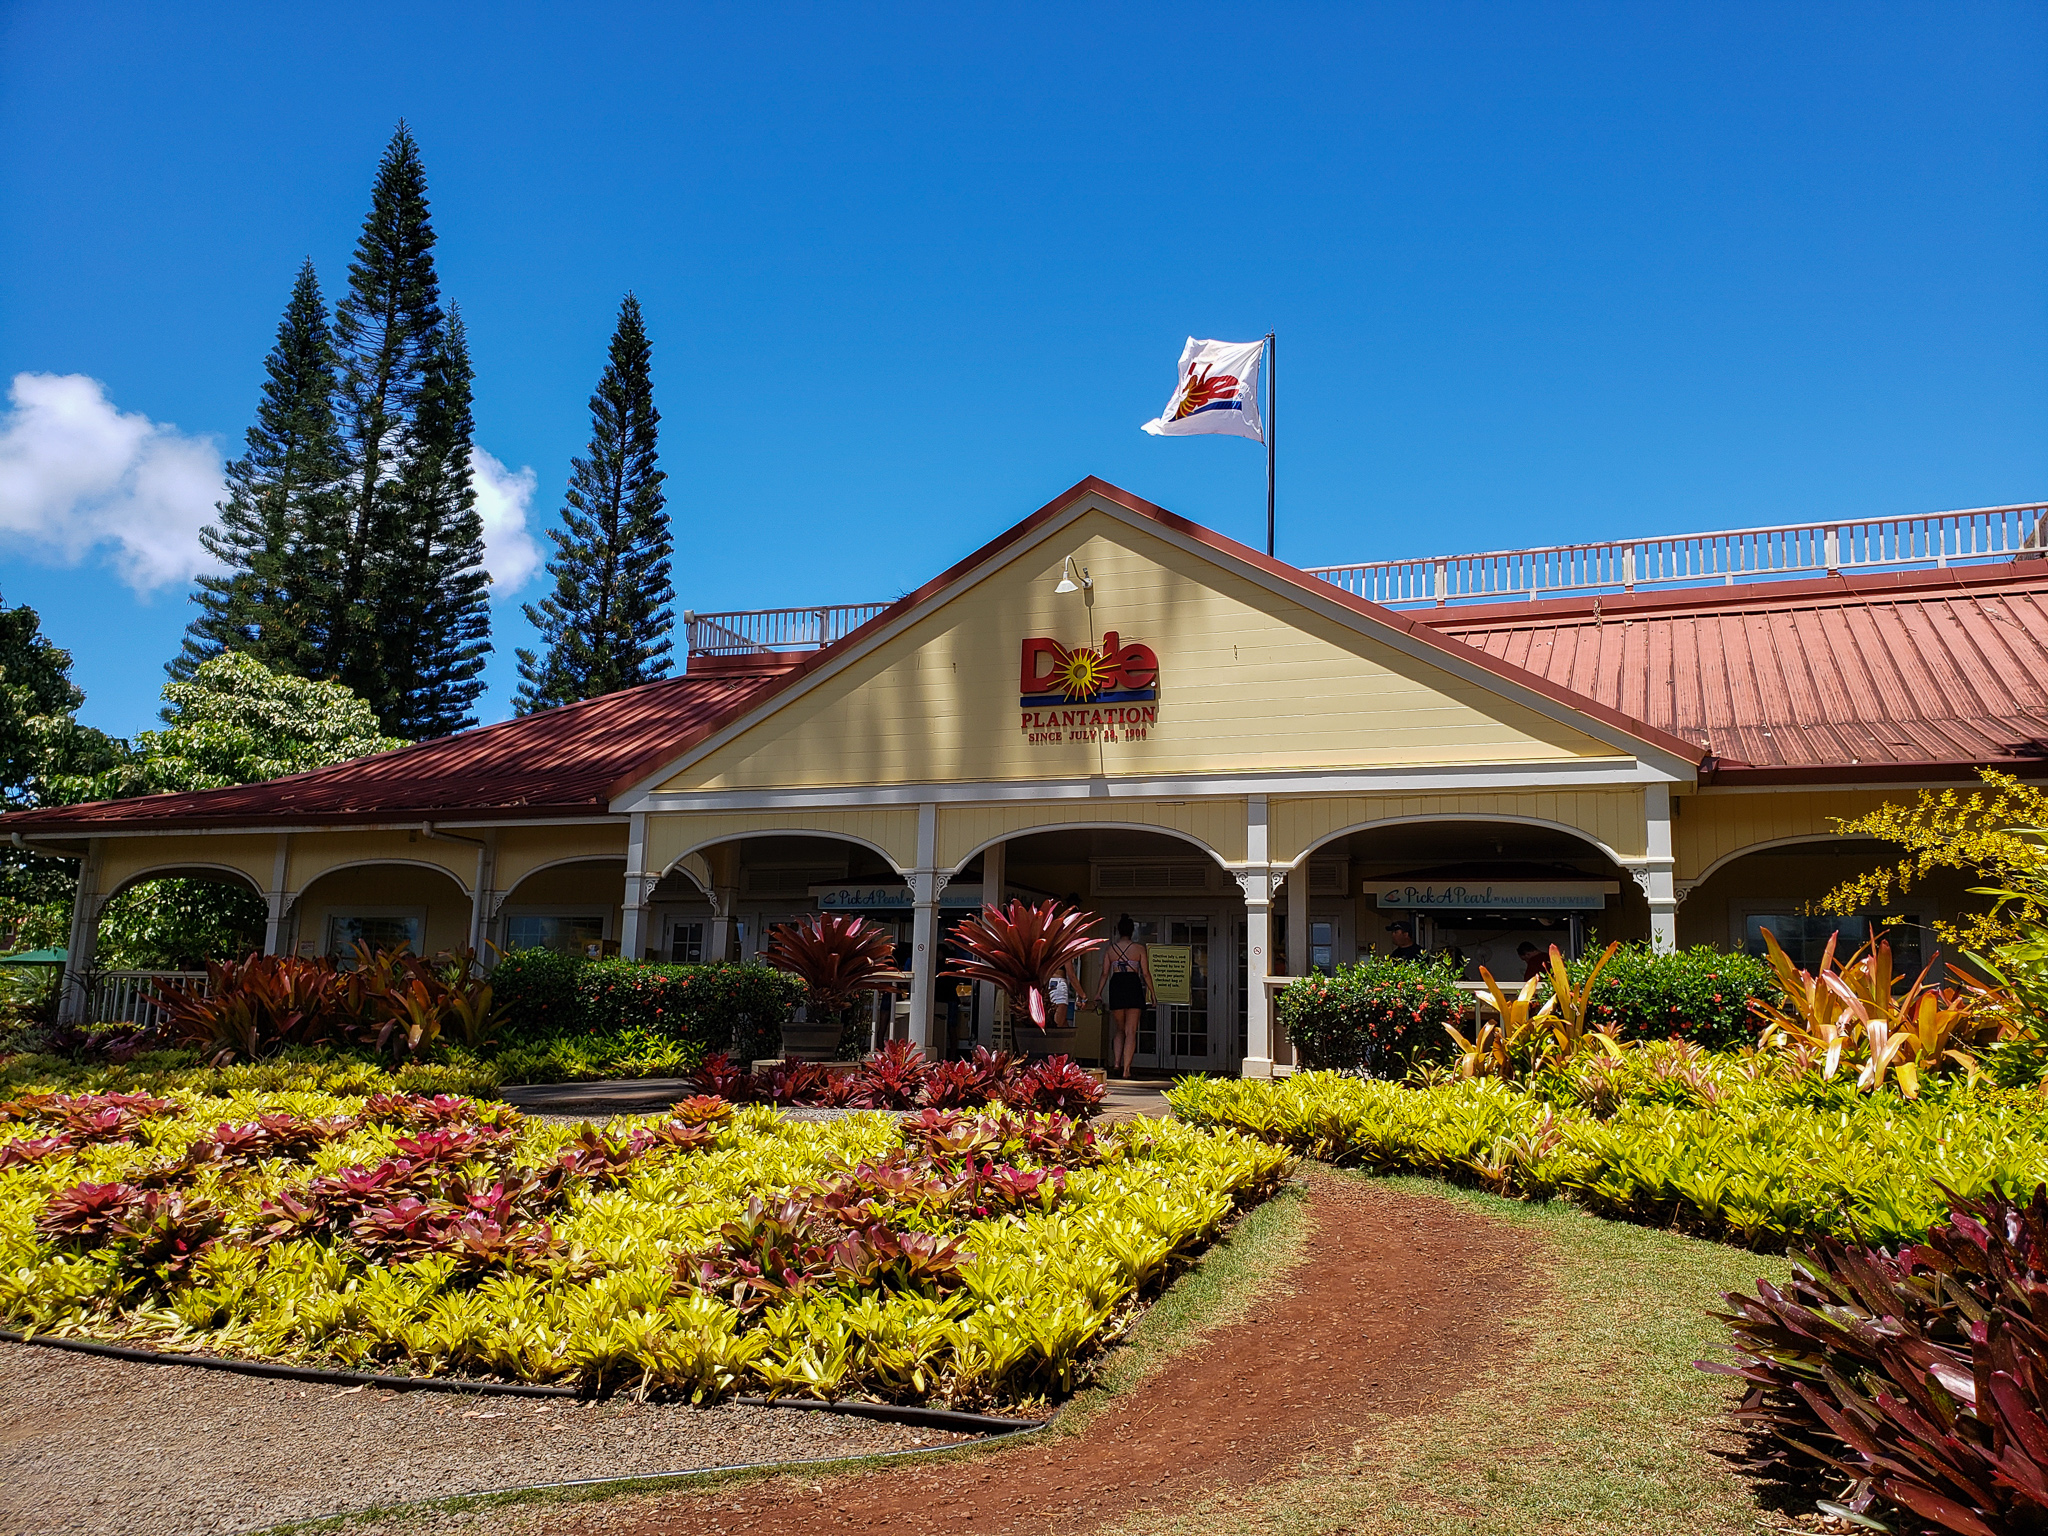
<point>1744,1148</point>
<point>963,1258</point>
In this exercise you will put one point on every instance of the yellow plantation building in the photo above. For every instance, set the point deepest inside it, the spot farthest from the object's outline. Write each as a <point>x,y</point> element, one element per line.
<point>1264,766</point>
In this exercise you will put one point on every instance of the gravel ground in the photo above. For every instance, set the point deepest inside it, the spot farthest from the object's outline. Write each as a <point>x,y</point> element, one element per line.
<point>90,1446</point>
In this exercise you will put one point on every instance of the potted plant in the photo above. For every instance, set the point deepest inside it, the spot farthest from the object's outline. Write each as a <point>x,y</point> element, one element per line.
<point>1021,948</point>
<point>836,957</point>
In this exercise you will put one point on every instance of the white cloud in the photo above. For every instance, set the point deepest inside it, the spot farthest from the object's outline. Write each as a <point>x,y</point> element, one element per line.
<point>78,476</point>
<point>503,498</point>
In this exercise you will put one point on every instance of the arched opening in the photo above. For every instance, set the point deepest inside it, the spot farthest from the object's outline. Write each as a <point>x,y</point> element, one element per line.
<point>1184,907</point>
<point>177,919</point>
<point>572,906</point>
<point>383,905</point>
<point>1774,885</point>
<point>1473,890</point>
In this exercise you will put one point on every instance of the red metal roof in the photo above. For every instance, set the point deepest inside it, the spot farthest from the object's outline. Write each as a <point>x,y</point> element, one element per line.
<point>1869,676</point>
<point>1844,678</point>
<point>556,762</point>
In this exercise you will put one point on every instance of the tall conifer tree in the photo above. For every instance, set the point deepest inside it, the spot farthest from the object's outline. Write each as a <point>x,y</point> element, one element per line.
<point>607,622</point>
<point>277,527</point>
<point>406,617</point>
<point>438,592</point>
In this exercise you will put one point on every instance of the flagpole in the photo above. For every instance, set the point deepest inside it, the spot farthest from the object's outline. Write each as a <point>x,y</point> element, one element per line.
<point>1272,413</point>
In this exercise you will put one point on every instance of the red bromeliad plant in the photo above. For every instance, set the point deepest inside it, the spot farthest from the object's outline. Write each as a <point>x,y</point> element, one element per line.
<point>834,955</point>
<point>1920,1376</point>
<point>1021,948</point>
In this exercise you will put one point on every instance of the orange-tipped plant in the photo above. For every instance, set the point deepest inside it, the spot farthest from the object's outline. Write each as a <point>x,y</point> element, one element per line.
<point>1853,1011</point>
<point>1021,948</point>
<point>1530,1034</point>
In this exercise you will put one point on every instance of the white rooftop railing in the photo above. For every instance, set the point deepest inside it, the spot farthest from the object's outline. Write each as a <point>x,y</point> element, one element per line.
<point>1740,555</point>
<point>755,631</point>
<point>1933,540</point>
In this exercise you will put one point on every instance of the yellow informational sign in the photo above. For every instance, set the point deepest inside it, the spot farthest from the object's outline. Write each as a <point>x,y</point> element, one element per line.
<point>1173,972</point>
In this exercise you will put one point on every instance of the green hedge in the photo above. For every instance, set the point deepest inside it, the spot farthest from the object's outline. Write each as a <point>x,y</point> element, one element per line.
<point>1700,994</point>
<point>1378,1016</point>
<point>718,1007</point>
<point>537,990</point>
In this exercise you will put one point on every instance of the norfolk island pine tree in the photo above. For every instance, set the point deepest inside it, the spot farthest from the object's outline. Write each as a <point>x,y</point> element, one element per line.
<point>277,525</point>
<point>406,612</point>
<point>607,623</point>
<point>437,593</point>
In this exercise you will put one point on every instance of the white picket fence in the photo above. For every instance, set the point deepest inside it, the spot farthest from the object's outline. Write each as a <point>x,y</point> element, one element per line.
<point>129,997</point>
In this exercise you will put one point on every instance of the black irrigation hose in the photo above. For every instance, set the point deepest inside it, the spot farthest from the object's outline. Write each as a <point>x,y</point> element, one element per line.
<point>888,1413</point>
<point>287,1372</point>
<point>1014,1429</point>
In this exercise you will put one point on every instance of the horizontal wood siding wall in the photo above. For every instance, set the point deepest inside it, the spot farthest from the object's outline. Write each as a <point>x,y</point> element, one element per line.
<point>1248,680</point>
<point>1611,817</point>
<point>893,829</point>
<point>1710,827</point>
<point>1216,824</point>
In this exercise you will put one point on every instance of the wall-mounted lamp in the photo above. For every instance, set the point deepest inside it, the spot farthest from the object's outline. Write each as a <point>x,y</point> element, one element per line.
<point>1069,582</point>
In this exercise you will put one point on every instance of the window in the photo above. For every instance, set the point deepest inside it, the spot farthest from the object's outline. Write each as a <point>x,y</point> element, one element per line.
<point>1805,938</point>
<point>376,927</point>
<point>568,933</point>
<point>686,944</point>
<point>1322,947</point>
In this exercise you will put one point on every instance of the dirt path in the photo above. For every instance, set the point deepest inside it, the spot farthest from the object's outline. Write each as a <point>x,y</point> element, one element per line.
<point>1395,1304</point>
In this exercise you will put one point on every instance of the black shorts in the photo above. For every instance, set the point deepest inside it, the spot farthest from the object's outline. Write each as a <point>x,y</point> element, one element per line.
<point>1126,991</point>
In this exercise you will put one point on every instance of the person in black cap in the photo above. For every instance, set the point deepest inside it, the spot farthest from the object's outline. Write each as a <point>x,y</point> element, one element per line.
<point>1405,947</point>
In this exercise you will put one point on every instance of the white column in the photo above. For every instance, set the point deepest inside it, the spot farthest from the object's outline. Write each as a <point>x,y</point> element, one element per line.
<point>1654,874</point>
<point>633,904</point>
<point>483,899</point>
<point>988,997</point>
<point>724,862</point>
<point>1297,919</point>
<point>924,929</point>
<point>74,1003</point>
<point>1256,880</point>
<point>278,898</point>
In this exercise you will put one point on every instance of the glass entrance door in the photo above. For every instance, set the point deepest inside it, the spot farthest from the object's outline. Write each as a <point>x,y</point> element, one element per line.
<point>1176,1036</point>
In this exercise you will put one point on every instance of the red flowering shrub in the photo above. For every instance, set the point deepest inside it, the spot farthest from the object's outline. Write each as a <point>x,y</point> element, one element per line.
<point>1379,1016</point>
<point>26,1150</point>
<point>1701,995</point>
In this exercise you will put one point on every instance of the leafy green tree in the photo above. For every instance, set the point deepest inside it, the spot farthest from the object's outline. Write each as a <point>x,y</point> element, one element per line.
<point>234,721</point>
<point>607,622</point>
<point>406,615</point>
<point>280,523</point>
<point>43,749</point>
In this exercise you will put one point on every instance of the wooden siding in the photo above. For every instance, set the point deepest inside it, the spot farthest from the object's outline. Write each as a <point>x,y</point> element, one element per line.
<point>1218,825</point>
<point>1249,680</point>
<point>1711,827</point>
<point>1613,817</point>
<point>893,829</point>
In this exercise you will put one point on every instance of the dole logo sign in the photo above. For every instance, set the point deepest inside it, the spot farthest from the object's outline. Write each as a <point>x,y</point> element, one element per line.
<point>1083,694</point>
<point>1112,673</point>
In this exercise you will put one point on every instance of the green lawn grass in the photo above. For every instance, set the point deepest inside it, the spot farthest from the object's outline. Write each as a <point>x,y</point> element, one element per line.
<point>1598,1423</point>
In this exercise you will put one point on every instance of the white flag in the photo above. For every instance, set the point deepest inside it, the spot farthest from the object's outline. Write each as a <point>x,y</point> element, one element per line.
<point>1218,392</point>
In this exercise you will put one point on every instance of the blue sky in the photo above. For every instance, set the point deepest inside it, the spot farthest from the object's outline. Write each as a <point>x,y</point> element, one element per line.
<point>1540,272</point>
